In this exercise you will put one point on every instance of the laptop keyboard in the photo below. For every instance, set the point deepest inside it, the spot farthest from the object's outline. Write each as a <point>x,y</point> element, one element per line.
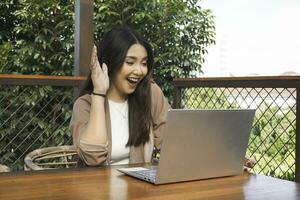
<point>147,174</point>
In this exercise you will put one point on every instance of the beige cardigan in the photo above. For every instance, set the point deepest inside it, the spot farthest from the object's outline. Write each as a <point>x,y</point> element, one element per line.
<point>93,155</point>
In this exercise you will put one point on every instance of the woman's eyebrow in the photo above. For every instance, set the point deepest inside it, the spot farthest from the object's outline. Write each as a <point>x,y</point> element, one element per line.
<point>133,57</point>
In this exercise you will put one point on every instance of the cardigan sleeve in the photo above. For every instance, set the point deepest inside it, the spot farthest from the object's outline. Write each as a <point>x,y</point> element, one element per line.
<point>159,109</point>
<point>91,154</point>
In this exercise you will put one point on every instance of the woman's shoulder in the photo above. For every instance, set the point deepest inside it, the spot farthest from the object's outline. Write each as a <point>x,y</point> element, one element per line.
<point>155,89</point>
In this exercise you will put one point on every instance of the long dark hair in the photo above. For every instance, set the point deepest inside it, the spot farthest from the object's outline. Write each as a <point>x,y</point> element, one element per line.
<point>112,50</point>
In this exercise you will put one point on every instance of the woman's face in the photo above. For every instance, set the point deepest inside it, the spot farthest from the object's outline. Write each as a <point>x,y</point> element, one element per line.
<point>133,70</point>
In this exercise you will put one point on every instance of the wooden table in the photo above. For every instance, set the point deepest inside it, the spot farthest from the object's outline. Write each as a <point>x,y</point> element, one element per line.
<point>108,183</point>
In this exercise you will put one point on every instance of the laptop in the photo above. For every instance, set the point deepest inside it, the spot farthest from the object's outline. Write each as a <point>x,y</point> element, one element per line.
<point>199,144</point>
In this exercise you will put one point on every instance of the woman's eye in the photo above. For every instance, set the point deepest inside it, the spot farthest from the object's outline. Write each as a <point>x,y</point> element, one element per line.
<point>129,63</point>
<point>144,64</point>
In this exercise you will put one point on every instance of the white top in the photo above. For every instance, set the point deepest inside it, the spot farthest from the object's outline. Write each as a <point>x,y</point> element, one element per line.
<point>119,132</point>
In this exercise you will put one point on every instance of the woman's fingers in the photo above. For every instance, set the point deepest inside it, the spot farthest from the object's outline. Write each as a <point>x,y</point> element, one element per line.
<point>98,70</point>
<point>94,58</point>
<point>95,65</point>
<point>104,69</point>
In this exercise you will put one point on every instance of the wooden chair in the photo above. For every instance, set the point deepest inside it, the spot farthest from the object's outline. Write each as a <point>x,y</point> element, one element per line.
<point>51,158</point>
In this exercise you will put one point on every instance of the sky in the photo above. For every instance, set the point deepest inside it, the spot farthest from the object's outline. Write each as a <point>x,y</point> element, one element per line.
<point>254,37</point>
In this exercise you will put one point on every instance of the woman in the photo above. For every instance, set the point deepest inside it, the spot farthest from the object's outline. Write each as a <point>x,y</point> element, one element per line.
<point>119,117</point>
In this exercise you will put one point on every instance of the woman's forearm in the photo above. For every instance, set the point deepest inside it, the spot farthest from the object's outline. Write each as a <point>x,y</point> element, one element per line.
<point>96,131</point>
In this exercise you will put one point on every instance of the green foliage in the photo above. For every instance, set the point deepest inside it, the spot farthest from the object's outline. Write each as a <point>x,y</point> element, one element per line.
<point>36,117</point>
<point>7,19</point>
<point>39,35</point>
<point>178,30</point>
<point>39,38</point>
<point>274,146</point>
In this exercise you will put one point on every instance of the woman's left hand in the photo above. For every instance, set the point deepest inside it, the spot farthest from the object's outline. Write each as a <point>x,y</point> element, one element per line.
<point>99,74</point>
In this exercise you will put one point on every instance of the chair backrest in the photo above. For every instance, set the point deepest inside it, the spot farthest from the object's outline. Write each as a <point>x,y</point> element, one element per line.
<point>4,168</point>
<point>51,158</point>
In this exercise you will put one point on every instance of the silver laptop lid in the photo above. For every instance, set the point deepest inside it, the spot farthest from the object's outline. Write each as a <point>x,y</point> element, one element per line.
<point>200,144</point>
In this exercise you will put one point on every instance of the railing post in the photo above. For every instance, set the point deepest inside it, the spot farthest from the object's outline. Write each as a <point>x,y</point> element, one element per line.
<point>177,97</point>
<point>297,162</point>
<point>84,38</point>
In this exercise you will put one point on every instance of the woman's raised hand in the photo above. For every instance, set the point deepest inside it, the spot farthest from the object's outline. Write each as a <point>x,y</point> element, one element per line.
<point>99,74</point>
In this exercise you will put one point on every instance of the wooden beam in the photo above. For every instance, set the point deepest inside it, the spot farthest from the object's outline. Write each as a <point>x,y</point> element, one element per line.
<point>18,79</point>
<point>84,36</point>
<point>257,81</point>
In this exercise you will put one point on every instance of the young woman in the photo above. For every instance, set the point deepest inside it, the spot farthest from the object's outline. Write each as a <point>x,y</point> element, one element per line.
<point>119,117</point>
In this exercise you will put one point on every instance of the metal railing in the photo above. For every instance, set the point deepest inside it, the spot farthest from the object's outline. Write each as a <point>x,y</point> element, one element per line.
<point>274,141</point>
<point>34,113</point>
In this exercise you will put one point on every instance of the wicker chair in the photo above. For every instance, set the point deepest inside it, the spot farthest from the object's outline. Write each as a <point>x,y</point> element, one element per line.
<point>4,168</point>
<point>51,158</point>
<point>66,157</point>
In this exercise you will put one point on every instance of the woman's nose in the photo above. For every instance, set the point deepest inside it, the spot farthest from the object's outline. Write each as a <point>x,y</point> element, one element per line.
<point>138,69</point>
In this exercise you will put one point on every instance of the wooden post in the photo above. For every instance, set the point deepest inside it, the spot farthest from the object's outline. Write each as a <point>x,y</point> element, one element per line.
<point>297,161</point>
<point>177,97</point>
<point>84,37</point>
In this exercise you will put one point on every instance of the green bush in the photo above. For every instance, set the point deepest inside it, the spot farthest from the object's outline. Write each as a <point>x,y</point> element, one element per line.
<point>39,39</point>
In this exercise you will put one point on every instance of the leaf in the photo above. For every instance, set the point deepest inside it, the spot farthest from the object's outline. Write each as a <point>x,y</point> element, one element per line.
<point>36,56</point>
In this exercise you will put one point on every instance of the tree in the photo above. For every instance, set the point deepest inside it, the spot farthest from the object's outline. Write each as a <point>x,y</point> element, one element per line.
<point>178,30</point>
<point>7,22</point>
<point>41,40</point>
<point>43,35</point>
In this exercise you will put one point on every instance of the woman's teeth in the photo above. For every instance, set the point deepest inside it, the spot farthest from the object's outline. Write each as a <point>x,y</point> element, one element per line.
<point>133,80</point>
